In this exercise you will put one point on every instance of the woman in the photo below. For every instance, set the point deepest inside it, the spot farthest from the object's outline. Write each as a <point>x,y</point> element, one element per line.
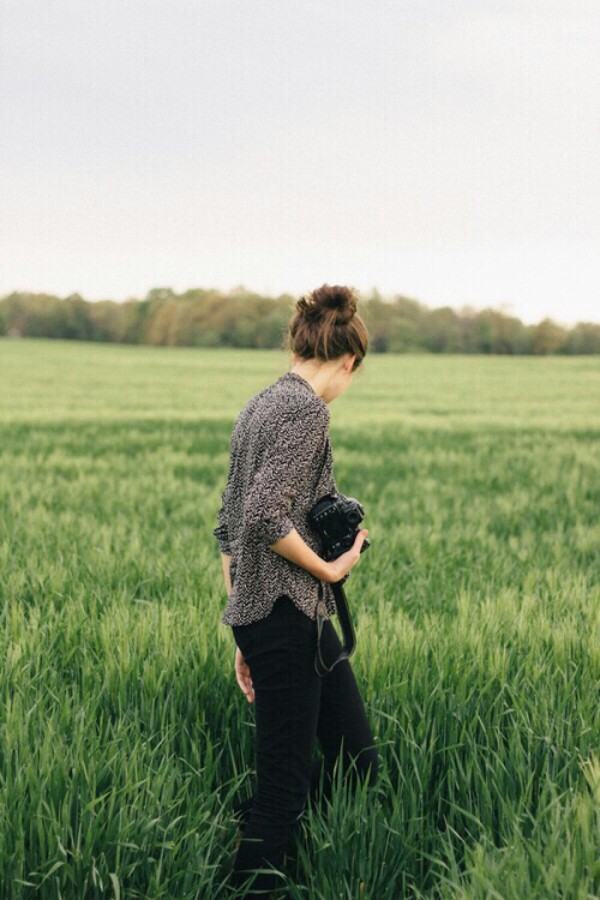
<point>280,465</point>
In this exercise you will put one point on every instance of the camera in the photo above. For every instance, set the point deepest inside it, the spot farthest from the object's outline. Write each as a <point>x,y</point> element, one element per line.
<point>337,519</point>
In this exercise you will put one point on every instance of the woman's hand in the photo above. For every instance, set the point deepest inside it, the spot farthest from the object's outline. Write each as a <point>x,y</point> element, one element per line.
<point>242,673</point>
<point>339,567</point>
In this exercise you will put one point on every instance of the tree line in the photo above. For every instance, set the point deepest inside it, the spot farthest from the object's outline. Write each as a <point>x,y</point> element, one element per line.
<point>241,318</point>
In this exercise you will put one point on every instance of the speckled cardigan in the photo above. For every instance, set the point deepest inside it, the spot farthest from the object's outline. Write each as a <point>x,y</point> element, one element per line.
<point>280,464</point>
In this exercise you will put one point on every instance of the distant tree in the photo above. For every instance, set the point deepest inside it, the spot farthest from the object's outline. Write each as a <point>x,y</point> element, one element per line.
<point>548,337</point>
<point>77,321</point>
<point>161,321</point>
<point>105,319</point>
<point>378,318</point>
<point>274,328</point>
<point>495,332</point>
<point>134,314</point>
<point>160,294</point>
<point>10,312</point>
<point>467,323</point>
<point>35,315</point>
<point>404,335</point>
<point>440,331</point>
<point>583,338</point>
<point>408,308</point>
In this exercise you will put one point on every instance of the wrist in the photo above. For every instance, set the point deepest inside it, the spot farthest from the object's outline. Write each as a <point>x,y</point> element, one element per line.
<point>324,573</point>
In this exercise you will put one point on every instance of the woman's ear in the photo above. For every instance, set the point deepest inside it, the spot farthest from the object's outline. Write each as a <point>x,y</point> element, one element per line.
<point>349,364</point>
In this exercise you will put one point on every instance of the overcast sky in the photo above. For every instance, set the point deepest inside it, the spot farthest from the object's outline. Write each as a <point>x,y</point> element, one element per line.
<point>447,151</point>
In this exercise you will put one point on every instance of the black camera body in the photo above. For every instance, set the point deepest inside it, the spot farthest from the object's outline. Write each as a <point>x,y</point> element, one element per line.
<point>337,519</point>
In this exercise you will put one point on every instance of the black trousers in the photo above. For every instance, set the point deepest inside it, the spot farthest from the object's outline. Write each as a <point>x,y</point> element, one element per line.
<point>293,706</point>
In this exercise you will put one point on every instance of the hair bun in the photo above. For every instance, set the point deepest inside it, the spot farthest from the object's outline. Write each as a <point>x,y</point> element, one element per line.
<point>322,301</point>
<point>326,325</point>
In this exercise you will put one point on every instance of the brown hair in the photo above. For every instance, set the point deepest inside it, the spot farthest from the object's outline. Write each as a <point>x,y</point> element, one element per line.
<point>326,325</point>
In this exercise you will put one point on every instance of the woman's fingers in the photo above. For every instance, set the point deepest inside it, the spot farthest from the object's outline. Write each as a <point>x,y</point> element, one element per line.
<point>357,545</point>
<point>352,555</point>
<point>248,686</point>
<point>360,538</point>
<point>245,683</point>
<point>344,563</point>
<point>244,678</point>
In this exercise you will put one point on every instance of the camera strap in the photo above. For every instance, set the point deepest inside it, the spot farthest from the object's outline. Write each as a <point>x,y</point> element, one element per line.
<point>343,612</point>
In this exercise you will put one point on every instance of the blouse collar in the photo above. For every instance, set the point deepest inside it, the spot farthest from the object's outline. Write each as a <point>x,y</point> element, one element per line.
<point>300,380</point>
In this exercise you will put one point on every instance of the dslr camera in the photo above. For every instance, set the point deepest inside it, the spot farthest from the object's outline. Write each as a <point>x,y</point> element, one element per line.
<point>337,520</point>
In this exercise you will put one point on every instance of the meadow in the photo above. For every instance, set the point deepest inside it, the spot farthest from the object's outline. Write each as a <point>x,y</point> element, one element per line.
<point>123,732</point>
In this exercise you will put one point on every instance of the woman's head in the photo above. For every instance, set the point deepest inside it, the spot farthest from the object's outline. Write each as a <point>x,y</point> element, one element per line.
<point>326,325</point>
<point>326,334</point>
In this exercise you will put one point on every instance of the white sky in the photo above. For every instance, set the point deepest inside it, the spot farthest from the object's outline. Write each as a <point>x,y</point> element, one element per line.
<point>446,150</point>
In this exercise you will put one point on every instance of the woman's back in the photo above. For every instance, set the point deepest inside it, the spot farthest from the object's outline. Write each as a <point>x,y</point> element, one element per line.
<point>281,463</point>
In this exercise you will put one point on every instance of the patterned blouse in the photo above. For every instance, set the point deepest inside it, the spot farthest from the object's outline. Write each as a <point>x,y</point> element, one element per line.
<point>280,464</point>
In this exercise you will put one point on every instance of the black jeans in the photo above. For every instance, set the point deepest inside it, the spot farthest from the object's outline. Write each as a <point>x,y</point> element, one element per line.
<point>293,705</point>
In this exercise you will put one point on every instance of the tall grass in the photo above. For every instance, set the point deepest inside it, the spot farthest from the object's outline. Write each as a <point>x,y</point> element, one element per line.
<point>123,733</point>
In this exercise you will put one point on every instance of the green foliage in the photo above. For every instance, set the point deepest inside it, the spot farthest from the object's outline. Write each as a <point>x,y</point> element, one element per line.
<point>123,733</point>
<point>210,318</point>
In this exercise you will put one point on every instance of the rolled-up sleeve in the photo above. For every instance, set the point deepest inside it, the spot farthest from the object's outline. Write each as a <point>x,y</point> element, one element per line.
<point>222,535</point>
<point>290,454</point>
<point>221,532</point>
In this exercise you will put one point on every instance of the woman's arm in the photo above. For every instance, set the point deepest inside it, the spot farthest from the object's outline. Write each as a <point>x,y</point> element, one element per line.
<point>294,548</point>
<point>226,564</point>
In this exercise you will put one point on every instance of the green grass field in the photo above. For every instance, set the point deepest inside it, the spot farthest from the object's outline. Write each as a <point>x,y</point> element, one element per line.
<point>124,733</point>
